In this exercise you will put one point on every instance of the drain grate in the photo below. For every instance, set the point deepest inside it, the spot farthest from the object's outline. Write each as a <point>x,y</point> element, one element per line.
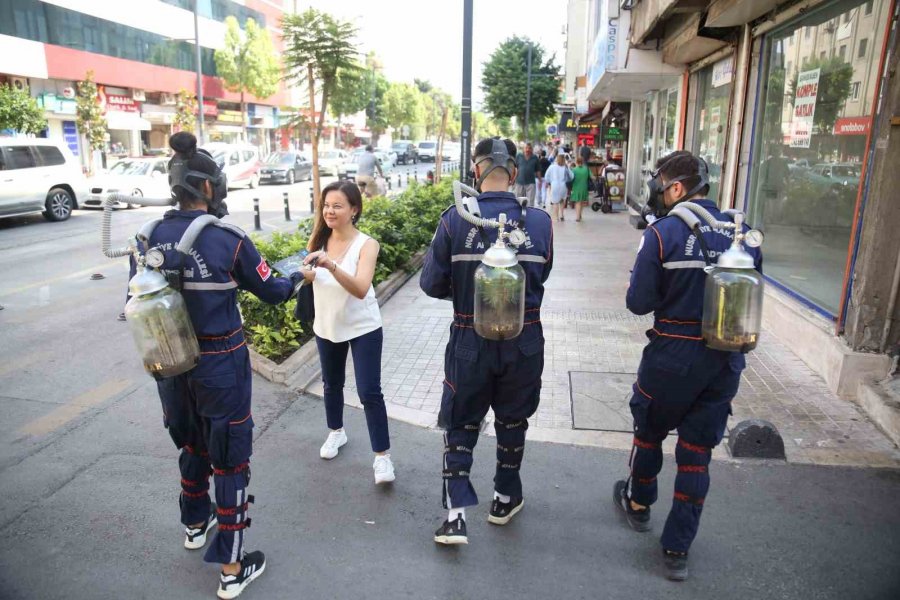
<point>600,400</point>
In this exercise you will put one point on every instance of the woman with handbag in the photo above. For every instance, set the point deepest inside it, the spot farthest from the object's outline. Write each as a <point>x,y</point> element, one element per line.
<point>347,318</point>
<point>558,176</point>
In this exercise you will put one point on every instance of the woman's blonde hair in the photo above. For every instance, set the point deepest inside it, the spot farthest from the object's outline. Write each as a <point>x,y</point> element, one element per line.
<point>560,159</point>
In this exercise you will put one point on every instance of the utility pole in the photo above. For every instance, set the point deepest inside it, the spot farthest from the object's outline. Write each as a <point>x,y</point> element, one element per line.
<point>199,77</point>
<point>466,104</point>
<point>313,134</point>
<point>528,94</point>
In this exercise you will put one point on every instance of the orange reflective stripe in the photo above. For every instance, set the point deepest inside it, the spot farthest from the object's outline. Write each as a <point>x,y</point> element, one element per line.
<point>232,349</point>
<point>683,337</point>
<point>659,237</point>
<point>239,422</point>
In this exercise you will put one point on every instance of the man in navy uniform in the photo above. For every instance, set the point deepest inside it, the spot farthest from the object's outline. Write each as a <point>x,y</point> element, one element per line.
<point>479,373</point>
<point>681,384</point>
<point>207,409</point>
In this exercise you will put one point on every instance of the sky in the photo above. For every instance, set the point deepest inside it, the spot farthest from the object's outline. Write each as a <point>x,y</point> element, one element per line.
<point>423,38</point>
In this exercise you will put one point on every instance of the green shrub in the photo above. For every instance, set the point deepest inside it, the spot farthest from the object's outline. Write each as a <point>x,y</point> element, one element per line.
<point>402,225</point>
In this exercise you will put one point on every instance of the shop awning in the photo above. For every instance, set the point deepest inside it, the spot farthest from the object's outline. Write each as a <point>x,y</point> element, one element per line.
<point>128,121</point>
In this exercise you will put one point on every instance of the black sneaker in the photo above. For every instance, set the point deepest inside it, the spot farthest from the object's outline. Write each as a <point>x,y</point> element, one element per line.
<point>195,537</point>
<point>452,532</point>
<point>676,565</point>
<point>252,566</point>
<point>639,520</point>
<point>502,512</point>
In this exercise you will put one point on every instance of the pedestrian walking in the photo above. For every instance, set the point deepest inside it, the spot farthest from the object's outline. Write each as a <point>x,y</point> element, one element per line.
<point>543,186</point>
<point>585,153</point>
<point>580,177</point>
<point>681,384</point>
<point>558,175</point>
<point>526,179</point>
<point>208,409</point>
<point>348,319</point>
<point>479,373</point>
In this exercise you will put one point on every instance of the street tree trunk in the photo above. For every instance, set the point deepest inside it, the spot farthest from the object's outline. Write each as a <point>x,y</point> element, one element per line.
<point>314,135</point>
<point>243,117</point>
<point>439,157</point>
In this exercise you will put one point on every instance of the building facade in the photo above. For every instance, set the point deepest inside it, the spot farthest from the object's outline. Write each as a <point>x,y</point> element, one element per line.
<point>781,98</point>
<point>142,54</point>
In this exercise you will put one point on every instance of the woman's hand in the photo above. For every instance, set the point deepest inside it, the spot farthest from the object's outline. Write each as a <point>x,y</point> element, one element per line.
<point>318,259</point>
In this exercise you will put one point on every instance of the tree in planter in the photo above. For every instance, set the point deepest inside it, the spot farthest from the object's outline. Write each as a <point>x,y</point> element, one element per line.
<point>317,47</point>
<point>247,63</point>
<point>505,82</point>
<point>185,111</point>
<point>20,112</point>
<point>89,115</point>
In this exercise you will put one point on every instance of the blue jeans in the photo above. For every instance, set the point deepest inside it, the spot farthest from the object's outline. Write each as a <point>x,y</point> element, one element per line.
<point>367,367</point>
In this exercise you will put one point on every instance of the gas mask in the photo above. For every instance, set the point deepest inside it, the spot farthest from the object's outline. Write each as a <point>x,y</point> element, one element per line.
<point>656,203</point>
<point>179,172</point>
<point>499,159</point>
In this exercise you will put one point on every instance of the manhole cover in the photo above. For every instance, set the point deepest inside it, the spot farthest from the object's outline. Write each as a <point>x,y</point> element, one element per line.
<point>600,400</point>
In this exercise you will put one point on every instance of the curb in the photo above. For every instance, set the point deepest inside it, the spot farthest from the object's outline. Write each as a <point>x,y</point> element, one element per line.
<point>301,369</point>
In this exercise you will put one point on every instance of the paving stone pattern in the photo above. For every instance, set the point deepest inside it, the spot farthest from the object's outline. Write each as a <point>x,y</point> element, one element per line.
<point>588,330</point>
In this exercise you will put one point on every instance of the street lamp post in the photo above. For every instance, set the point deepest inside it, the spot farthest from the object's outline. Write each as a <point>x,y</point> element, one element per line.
<point>528,94</point>
<point>199,76</point>
<point>466,104</point>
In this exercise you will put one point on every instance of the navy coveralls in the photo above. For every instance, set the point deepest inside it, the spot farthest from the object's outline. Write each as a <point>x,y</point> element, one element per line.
<point>207,409</point>
<point>479,373</point>
<point>681,384</point>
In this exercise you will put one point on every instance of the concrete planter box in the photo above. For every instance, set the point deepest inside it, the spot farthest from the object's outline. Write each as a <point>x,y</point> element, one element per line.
<point>301,368</point>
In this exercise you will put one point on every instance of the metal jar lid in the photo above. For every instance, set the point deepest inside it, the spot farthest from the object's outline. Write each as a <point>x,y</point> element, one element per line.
<point>146,281</point>
<point>499,255</point>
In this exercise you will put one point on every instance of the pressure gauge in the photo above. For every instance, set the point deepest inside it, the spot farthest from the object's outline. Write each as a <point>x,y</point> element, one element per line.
<point>517,237</point>
<point>754,238</point>
<point>154,258</point>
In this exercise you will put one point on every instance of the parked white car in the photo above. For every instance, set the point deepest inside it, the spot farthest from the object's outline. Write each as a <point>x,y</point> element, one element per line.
<point>39,175</point>
<point>427,150</point>
<point>330,161</point>
<point>349,168</point>
<point>139,177</point>
<point>241,163</point>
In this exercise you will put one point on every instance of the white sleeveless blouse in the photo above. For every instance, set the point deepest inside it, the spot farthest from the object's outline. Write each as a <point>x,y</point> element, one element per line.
<point>341,316</point>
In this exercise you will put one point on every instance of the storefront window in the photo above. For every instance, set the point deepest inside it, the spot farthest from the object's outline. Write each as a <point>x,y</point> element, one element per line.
<point>809,144</point>
<point>714,85</point>
<point>668,106</point>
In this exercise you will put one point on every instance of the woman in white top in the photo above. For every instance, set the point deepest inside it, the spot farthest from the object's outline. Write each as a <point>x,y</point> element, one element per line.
<point>557,176</point>
<point>347,318</point>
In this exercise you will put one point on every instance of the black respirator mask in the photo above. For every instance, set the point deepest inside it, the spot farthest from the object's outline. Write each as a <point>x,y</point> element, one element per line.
<point>656,204</point>
<point>499,159</point>
<point>179,172</point>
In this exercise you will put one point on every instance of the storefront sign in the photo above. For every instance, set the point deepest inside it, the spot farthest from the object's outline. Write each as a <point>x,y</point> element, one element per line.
<point>230,116</point>
<point>723,72</point>
<point>567,124</point>
<point>116,102</point>
<point>604,54</point>
<point>210,108</point>
<point>57,104</point>
<point>615,134</point>
<point>804,108</point>
<point>853,126</point>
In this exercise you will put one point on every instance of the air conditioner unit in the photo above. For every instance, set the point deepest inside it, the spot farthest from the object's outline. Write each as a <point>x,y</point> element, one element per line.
<point>167,99</point>
<point>19,83</point>
<point>138,95</point>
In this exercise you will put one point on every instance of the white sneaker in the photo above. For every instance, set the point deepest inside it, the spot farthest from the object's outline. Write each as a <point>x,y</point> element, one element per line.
<point>384,469</point>
<point>335,440</point>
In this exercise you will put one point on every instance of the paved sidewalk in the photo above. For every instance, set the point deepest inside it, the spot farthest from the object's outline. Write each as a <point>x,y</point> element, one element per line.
<point>593,350</point>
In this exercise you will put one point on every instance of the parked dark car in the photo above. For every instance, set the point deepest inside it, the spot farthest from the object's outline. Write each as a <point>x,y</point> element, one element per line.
<point>285,167</point>
<point>406,152</point>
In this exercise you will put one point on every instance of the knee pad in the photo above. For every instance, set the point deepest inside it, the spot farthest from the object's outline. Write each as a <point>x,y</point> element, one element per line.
<point>458,447</point>
<point>692,480</point>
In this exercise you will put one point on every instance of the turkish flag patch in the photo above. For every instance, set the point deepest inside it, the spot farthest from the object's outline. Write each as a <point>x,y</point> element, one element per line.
<point>263,269</point>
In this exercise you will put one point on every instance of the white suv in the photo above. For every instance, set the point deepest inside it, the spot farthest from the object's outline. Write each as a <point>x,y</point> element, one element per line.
<point>427,150</point>
<point>39,175</point>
